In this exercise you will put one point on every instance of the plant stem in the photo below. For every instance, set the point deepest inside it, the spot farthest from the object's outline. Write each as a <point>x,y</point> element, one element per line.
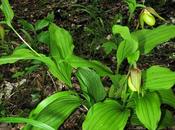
<point>118,67</point>
<point>140,5</point>
<point>24,41</point>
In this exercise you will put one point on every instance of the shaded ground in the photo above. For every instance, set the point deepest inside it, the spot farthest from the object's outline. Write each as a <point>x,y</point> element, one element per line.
<point>39,84</point>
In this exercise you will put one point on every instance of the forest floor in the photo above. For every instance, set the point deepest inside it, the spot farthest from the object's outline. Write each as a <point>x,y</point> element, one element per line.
<point>23,91</point>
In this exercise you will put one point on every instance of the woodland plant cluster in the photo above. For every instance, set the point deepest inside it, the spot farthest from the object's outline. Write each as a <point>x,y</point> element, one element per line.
<point>134,98</point>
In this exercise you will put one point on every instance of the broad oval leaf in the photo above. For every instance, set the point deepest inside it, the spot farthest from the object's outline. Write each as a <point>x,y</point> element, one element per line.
<point>148,39</point>
<point>55,109</point>
<point>126,49</point>
<point>106,116</point>
<point>122,30</point>
<point>44,37</point>
<point>91,84</point>
<point>109,46</point>
<point>148,110</point>
<point>61,47</point>
<point>128,46</point>
<point>167,97</point>
<point>157,78</point>
<point>61,43</point>
<point>35,123</point>
<point>133,58</point>
<point>40,24</point>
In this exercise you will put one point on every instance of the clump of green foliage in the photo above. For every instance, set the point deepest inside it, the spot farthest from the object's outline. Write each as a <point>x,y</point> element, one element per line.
<point>134,98</point>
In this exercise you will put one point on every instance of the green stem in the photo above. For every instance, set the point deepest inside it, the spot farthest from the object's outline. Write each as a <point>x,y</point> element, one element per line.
<point>24,41</point>
<point>140,5</point>
<point>118,67</point>
<point>125,87</point>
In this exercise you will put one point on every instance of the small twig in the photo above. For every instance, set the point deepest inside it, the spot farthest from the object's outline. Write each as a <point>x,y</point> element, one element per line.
<point>54,84</point>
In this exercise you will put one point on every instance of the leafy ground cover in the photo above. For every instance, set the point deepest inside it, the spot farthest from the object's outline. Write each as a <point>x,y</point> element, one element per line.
<point>28,87</point>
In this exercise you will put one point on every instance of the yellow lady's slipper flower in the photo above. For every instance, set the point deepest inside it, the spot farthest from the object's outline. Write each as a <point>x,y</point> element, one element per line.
<point>134,80</point>
<point>148,18</point>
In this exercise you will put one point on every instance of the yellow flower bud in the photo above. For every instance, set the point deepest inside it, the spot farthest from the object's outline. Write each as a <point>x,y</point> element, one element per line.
<point>134,80</point>
<point>148,18</point>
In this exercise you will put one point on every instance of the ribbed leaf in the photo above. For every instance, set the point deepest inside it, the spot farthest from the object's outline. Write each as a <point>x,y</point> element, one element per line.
<point>106,116</point>
<point>148,110</point>
<point>148,39</point>
<point>44,37</point>
<point>125,49</point>
<point>122,30</point>
<point>40,24</point>
<point>76,62</point>
<point>25,54</point>
<point>109,46</point>
<point>61,46</point>
<point>61,43</point>
<point>7,10</point>
<point>157,78</point>
<point>55,109</point>
<point>133,58</point>
<point>128,46</point>
<point>117,81</point>
<point>167,97</point>
<point>91,84</point>
<point>35,123</point>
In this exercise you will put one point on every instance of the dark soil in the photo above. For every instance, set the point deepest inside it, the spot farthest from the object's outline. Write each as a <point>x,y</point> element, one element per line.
<point>39,83</point>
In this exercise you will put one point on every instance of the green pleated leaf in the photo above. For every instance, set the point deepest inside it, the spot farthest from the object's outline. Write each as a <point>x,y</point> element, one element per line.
<point>109,46</point>
<point>61,47</point>
<point>125,49</point>
<point>40,24</point>
<point>122,30</point>
<point>117,83</point>
<point>35,123</point>
<point>148,39</point>
<point>133,58</point>
<point>61,43</point>
<point>167,97</point>
<point>148,110</point>
<point>106,116</point>
<point>66,71</point>
<point>91,84</point>
<point>44,37</point>
<point>128,46</point>
<point>7,11</point>
<point>55,109</point>
<point>157,78</point>
<point>26,54</point>
<point>77,62</point>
